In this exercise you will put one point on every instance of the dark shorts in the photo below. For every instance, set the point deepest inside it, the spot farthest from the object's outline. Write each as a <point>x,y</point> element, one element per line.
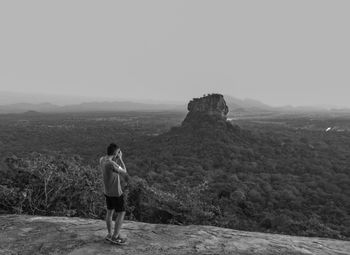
<point>116,203</point>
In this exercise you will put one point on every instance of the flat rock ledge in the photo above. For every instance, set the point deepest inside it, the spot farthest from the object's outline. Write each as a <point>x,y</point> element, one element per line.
<point>23,234</point>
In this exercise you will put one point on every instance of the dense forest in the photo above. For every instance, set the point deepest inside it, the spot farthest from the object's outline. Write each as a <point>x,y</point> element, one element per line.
<point>291,177</point>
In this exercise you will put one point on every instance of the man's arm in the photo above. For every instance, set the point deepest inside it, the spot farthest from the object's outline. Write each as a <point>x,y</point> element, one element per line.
<point>118,169</point>
<point>124,167</point>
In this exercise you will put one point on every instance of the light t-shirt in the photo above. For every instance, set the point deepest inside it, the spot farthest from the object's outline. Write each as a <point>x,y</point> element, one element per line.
<point>111,179</point>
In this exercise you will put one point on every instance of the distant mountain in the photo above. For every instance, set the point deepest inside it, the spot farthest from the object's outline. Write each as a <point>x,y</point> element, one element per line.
<point>13,102</point>
<point>25,107</point>
<point>9,98</point>
<point>88,107</point>
<point>120,106</point>
<point>254,106</point>
<point>236,105</point>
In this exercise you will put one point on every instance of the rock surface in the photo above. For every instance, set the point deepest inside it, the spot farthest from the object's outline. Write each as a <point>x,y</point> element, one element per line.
<point>212,105</point>
<point>21,234</point>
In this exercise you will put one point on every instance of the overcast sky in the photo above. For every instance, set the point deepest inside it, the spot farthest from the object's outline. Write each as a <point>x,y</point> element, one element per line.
<point>278,52</point>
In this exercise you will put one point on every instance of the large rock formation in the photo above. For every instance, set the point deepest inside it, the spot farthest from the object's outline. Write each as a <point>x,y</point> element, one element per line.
<point>20,234</point>
<point>212,106</point>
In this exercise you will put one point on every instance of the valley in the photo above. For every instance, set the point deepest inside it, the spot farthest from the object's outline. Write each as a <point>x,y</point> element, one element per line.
<point>279,173</point>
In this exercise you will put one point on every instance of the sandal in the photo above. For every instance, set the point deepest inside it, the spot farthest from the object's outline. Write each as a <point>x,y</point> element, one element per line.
<point>118,240</point>
<point>108,237</point>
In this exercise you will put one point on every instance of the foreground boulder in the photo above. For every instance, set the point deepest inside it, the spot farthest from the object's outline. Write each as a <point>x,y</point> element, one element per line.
<point>21,234</point>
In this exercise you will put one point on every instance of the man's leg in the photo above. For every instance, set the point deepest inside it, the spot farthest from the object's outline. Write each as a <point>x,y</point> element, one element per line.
<point>109,218</point>
<point>118,223</point>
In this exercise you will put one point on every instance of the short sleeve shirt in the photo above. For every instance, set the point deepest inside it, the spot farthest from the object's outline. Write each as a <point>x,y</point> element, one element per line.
<point>111,179</point>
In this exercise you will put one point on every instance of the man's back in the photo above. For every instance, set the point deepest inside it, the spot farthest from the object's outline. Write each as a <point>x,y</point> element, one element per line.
<point>111,179</point>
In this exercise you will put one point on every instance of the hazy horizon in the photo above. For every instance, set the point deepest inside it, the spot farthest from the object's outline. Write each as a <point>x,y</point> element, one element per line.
<point>280,53</point>
<point>64,99</point>
<point>12,98</point>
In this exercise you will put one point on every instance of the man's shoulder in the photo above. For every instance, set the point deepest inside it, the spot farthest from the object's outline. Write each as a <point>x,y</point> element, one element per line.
<point>105,163</point>
<point>102,160</point>
<point>108,163</point>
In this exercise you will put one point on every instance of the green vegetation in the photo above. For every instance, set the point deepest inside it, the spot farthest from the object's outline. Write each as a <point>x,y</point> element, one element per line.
<point>272,176</point>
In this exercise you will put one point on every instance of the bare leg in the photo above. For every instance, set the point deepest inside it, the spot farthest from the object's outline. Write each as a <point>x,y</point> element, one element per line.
<point>109,222</point>
<point>118,223</point>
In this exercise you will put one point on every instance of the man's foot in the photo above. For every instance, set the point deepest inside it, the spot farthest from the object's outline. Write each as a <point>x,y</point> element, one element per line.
<point>108,237</point>
<point>118,240</point>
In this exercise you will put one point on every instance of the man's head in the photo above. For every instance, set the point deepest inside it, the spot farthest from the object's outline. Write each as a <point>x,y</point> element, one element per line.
<point>113,149</point>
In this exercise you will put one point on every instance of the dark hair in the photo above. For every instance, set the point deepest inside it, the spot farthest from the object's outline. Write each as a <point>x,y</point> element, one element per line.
<point>111,149</point>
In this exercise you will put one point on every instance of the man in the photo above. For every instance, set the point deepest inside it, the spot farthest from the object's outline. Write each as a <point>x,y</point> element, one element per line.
<point>113,192</point>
